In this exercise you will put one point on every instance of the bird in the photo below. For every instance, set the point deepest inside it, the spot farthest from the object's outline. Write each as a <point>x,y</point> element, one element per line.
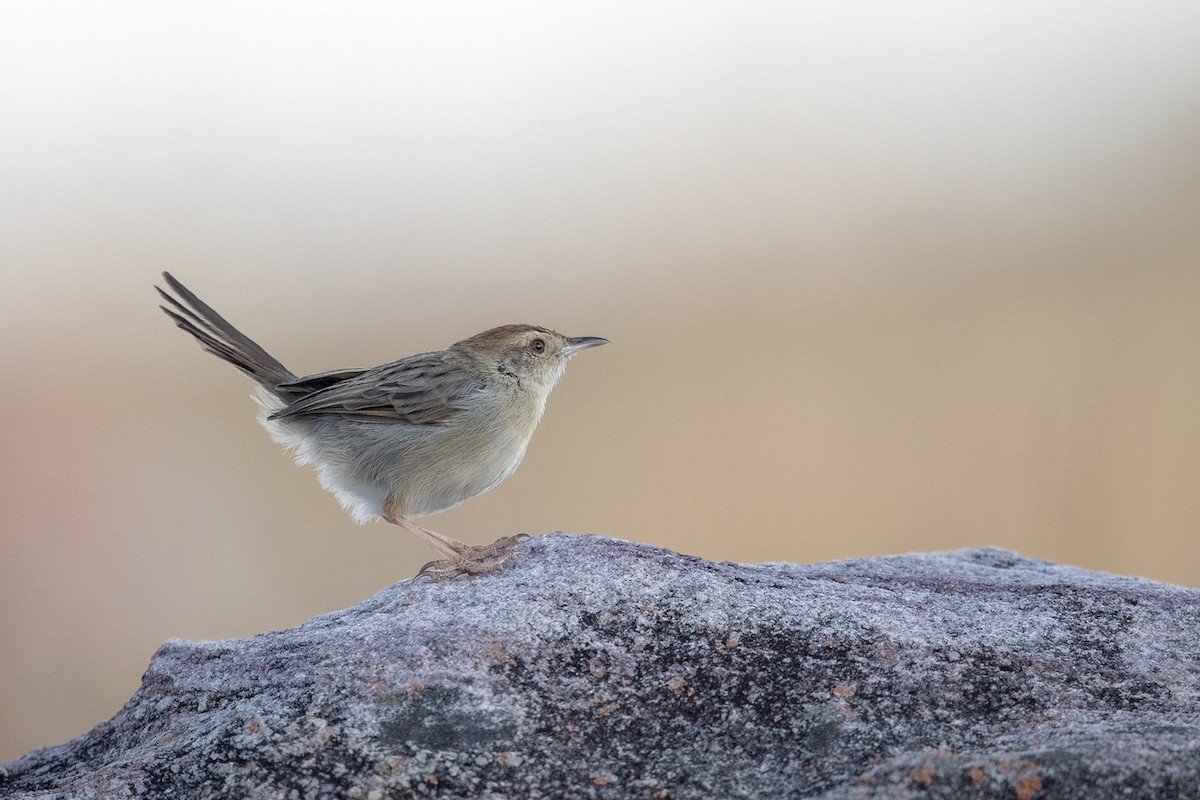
<point>409,438</point>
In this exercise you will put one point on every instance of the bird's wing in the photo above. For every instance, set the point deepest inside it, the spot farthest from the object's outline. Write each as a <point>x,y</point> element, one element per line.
<point>301,387</point>
<point>419,390</point>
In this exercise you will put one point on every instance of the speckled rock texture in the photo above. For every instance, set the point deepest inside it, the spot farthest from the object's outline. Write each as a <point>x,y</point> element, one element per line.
<point>598,668</point>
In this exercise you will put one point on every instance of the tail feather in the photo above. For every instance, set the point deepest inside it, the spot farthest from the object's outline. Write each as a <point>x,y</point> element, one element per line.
<point>220,338</point>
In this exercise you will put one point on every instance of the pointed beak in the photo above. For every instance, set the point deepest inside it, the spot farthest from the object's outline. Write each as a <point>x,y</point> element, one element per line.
<point>577,343</point>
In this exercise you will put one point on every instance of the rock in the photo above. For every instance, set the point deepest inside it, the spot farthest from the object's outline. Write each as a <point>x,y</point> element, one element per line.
<point>594,667</point>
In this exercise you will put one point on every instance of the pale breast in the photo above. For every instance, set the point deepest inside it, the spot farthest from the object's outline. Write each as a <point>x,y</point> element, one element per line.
<point>467,457</point>
<point>414,470</point>
<point>458,468</point>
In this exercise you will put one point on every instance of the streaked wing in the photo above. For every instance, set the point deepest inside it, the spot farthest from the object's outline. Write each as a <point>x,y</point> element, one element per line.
<point>309,384</point>
<point>420,390</point>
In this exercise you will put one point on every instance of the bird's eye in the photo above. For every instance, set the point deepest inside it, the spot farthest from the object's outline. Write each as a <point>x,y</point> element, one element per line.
<point>538,345</point>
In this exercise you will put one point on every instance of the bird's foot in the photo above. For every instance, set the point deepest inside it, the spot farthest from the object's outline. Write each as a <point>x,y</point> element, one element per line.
<point>473,559</point>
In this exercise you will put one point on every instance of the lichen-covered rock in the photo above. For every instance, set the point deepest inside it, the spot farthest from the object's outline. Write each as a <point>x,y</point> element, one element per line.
<point>593,667</point>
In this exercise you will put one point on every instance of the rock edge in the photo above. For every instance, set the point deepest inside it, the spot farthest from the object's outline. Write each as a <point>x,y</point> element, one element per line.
<point>595,667</point>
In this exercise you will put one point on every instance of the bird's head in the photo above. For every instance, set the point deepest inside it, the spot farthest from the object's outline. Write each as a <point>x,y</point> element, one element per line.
<point>532,356</point>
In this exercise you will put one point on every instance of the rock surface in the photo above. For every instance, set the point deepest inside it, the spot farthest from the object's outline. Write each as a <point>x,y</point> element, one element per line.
<point>594,667</point>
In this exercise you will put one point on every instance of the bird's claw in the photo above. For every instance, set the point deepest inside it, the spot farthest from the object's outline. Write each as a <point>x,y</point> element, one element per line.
<point>473,560</point>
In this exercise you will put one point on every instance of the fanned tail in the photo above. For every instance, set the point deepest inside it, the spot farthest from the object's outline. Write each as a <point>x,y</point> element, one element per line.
<point>220,338</point>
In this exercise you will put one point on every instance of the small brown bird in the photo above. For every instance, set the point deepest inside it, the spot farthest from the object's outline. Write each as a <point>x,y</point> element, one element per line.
<point>408,438</point>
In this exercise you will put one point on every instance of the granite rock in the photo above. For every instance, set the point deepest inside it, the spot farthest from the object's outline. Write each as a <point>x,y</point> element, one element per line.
<point>599,668</point>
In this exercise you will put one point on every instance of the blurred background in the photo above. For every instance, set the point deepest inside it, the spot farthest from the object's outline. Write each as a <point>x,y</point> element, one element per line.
<point>879,277</point>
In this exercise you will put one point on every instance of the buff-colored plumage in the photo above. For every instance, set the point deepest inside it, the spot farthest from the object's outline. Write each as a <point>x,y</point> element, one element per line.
<point>408,438</point>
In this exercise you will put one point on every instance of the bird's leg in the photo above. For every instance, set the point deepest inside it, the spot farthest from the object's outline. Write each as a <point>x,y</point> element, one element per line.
<point>451,548</point>
<point>460,558</point>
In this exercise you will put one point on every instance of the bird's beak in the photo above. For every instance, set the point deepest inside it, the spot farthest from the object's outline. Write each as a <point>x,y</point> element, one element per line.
<point>577,343</point>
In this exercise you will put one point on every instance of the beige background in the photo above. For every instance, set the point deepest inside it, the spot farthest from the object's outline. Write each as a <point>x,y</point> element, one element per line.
<point>879,278</point>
